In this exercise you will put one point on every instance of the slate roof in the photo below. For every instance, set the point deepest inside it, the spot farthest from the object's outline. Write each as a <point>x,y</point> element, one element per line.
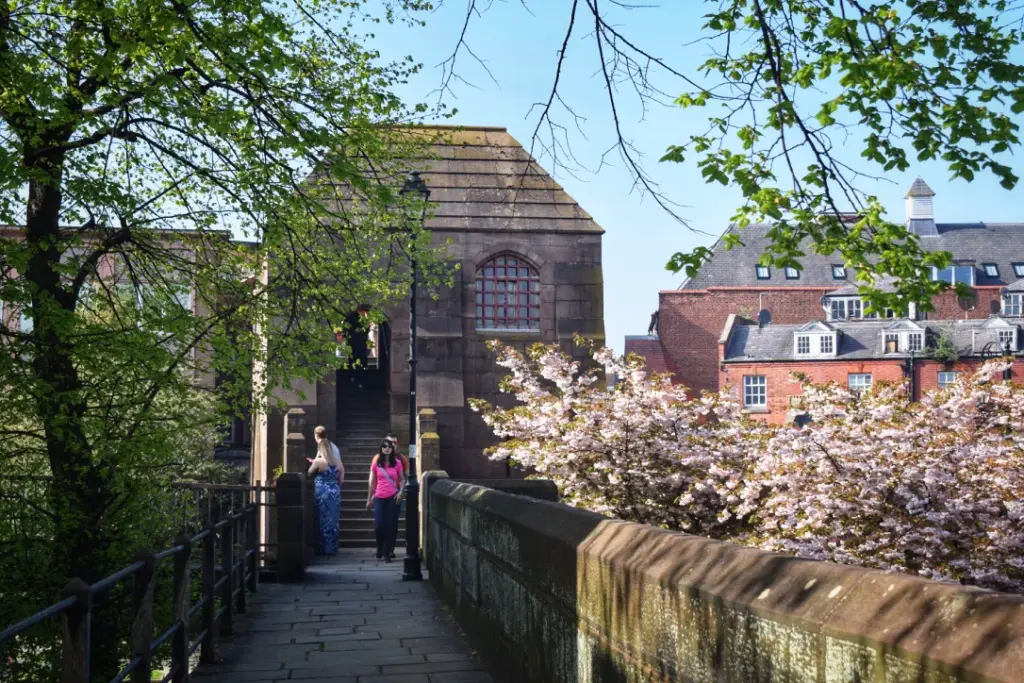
<point>920,189</point>
<point>977,243</point>
<point>860,340</point>
<point>1017,286</point>
<point>482,179</point>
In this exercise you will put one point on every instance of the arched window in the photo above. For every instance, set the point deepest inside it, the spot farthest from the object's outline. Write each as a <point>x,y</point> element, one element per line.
<point>507,294</point>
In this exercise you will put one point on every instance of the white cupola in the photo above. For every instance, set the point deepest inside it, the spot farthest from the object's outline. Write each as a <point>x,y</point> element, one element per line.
<point>920,209</point>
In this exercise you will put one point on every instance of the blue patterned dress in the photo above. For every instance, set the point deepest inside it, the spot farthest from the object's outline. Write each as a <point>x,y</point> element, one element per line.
<point>328,503</point>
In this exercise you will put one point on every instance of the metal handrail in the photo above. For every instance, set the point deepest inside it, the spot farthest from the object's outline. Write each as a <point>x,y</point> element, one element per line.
<point>239,526</point>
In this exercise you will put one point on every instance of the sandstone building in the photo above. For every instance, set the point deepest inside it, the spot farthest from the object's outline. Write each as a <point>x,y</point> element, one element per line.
<point>530,260</point>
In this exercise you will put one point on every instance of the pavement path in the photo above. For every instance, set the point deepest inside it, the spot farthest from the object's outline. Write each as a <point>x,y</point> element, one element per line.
<point>353,621</point>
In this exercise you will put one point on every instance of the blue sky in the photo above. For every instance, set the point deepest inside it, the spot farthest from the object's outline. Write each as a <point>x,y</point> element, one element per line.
<point>520,49</point>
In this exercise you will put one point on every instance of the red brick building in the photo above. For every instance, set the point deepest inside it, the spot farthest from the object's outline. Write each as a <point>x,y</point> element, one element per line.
<point>691,324</point>
<point>758,361</point>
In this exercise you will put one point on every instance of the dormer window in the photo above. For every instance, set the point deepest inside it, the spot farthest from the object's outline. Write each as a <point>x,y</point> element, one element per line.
<point>1013,305</point>
<point>991,270</point>
<point>1007,339</point>
<point>814,339</point>
<point>838,272</point>
<point>954,275</point>
<point>792,273</point>
<point>903,337</point>
<point>844,308</point>
<point>763,272</point>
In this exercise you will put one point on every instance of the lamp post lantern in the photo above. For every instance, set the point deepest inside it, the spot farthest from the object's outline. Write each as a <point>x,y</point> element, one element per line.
<point>411,571</point>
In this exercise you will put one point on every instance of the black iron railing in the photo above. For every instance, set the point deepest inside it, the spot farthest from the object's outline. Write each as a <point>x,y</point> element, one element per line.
<point>229,550</point>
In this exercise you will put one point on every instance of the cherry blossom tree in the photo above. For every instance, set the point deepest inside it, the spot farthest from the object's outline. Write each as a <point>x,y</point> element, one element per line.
<point>643,452</point>
<point>931,488</point>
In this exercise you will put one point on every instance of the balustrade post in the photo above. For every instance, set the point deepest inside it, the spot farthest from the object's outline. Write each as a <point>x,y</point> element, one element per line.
<point>240,538</point>
<point>142,625</point>
<point>227,558</point>
<point>77,627</point>
<point>208,654</point>
<point>179,645</point>
<point>291,533</point>
<point>253,546</point>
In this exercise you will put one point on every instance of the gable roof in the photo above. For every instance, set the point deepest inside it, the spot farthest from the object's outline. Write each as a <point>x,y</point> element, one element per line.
<point>816,326</point>
<point>970,244</point>
<point>481,179</point>
<point>904,325</point>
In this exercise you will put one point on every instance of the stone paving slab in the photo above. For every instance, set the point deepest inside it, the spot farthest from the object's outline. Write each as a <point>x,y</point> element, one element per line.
<point>353,621</point>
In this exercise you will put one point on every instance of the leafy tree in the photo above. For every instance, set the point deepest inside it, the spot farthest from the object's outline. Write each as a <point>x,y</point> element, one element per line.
<point>808,101</point>
<point>136,138</point>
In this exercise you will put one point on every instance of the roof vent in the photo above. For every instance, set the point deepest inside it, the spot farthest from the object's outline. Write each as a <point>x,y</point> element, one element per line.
<point>920,209</point>
<point>764,317</point>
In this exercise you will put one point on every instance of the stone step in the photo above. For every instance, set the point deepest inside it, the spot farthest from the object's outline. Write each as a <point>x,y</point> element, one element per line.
<point>368,543</point>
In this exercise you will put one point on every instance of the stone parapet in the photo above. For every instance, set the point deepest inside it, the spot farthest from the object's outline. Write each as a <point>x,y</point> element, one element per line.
<point>547,592</point>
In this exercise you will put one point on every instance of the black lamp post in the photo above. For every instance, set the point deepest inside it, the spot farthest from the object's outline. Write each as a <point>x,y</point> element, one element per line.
<point>411,571</point>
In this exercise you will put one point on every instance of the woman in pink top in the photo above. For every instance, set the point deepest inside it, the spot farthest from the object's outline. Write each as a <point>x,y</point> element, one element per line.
<point>387,480</point>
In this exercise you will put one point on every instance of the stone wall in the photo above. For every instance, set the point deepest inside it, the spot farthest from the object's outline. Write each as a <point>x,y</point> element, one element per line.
<point>551,593</point>
<point>454,363</point>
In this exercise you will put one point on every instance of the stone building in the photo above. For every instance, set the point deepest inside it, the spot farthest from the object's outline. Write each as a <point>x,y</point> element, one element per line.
<point>515,232</point>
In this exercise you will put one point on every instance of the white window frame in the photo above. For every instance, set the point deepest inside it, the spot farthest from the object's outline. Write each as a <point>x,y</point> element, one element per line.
<point>847,303</point>
<point>892,336</point>
<point>803,345</point>
<point>950,377</point>
<point>1013,305</point>
<point>758,270</point>
<point>1004,336</point>
<point>838,272</point>
<point>756,387</point>
<point>915,341</point>
<point>991,269</point>
<point>814,344</point>
<point>970,281</point>
<point>861,385</point>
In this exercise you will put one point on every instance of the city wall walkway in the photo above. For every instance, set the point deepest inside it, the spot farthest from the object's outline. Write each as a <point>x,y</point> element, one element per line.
<point>353,621</point>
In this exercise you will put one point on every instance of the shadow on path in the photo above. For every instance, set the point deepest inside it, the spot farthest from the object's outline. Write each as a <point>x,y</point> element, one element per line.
<point>353,621</point>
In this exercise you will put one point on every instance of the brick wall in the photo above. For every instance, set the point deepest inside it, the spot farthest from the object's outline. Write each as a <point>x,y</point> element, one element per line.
<point>782,387</point>
<point>691,321</point>
<point>986,302</point>
<point>651,349</point>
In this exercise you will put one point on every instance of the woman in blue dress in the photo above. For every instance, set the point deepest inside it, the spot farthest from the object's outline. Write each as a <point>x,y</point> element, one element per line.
<point>329,476</point>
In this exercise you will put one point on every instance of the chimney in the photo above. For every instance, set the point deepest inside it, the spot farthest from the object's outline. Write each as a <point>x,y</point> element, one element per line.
<point>920,211</point>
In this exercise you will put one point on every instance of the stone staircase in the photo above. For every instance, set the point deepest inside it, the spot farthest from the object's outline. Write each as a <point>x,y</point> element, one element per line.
<point>364,420</point>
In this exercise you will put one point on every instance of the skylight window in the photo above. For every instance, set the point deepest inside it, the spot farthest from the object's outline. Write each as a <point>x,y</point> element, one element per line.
<point>838,272</point>
<point>763,272</point>
<point>991,270</point>
<point>1018,269</point>
<point>792,273</point>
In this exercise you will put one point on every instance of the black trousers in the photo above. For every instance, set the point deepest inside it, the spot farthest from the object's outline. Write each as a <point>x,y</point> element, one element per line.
<point>385,524</point>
